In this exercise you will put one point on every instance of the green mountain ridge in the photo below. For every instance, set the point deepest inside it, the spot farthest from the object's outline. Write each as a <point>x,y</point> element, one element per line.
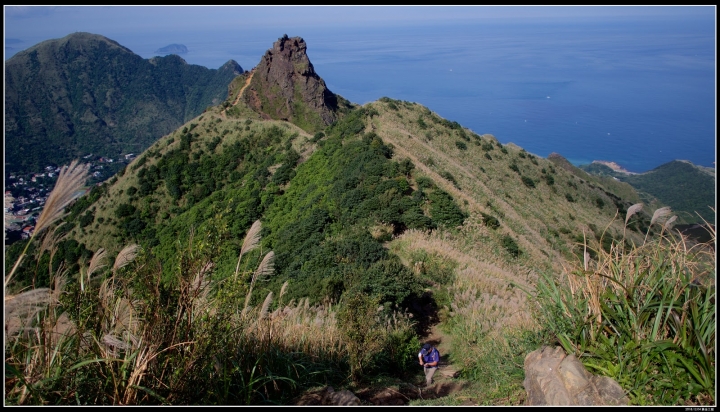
<point>420,173</point>
<point>374,221</point>
<point>84,93</point>
<point>690,190</point>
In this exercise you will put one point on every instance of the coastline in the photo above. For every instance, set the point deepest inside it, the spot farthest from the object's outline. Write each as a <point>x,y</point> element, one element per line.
<point>614,166</point>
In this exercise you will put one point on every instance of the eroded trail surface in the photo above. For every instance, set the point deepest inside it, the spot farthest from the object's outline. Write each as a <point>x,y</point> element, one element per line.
<point>446,383</point>
<point>240,93</point>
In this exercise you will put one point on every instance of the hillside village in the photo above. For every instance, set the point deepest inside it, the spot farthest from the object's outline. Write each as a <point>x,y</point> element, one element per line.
<point>26,194</point>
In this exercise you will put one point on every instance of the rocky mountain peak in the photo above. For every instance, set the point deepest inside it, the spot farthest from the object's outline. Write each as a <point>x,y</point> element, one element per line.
<point>285,86</point>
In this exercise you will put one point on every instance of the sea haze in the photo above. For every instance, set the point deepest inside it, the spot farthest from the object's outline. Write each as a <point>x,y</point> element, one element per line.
<point>638,92</point>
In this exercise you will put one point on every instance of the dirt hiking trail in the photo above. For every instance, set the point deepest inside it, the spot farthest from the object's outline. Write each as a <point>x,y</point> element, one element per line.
<point>240,93</point>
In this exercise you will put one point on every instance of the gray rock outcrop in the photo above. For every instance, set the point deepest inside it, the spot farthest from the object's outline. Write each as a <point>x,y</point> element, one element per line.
<point>285,86</point>
<point>328,396</point>
<point>554,378</point>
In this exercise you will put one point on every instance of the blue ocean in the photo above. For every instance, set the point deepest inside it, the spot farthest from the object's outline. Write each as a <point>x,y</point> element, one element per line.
<point>637,92</point>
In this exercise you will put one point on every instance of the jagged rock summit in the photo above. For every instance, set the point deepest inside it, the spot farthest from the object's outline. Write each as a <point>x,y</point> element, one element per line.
<point>285,86</point>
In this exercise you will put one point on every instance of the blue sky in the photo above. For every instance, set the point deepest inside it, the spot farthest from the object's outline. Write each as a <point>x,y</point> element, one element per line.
<point>36,23</point>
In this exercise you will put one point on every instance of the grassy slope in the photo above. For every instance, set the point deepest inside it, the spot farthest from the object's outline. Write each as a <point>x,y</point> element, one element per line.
<point>542,221</point>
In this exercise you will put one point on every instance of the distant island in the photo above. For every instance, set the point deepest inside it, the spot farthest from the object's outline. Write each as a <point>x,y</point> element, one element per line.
<point>172,49</point>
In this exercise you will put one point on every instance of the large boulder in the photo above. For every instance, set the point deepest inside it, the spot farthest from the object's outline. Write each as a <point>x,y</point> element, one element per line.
<point>554,378</point>
<point>328,396</point>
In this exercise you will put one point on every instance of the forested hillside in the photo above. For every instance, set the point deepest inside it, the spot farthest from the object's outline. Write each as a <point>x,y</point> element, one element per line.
<point>84,93</point>
<point>257,259</point>
<point>687,188</point>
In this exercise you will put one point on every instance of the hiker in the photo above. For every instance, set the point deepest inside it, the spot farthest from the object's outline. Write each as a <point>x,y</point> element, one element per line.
<point>429,358</point>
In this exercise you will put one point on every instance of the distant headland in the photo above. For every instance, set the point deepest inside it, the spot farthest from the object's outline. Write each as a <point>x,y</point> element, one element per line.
<point>172,49</point>
<point>614,166</point>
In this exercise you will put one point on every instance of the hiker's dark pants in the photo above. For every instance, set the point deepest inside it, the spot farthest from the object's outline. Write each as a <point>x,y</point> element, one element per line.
<point>429,372</point>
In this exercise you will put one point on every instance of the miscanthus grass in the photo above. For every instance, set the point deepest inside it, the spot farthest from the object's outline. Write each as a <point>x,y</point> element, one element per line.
<point>118,335</point>
<point>68,187</point>
<point>643,315</point>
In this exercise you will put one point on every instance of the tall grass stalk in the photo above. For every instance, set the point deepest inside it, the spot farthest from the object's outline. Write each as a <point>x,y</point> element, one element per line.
<point>644,316</point>
<point>119,335</point>
<point>70,182</point>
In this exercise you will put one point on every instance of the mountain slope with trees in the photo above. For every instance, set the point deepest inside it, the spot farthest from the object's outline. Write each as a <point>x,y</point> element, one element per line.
<point>687,188</point>
<point>84,93</point>
<point>271,257</point>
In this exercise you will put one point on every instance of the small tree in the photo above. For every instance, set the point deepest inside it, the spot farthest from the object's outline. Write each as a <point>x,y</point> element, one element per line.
<point>361,327</point>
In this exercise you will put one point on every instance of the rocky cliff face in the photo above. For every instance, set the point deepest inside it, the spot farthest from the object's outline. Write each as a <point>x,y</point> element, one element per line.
<point>285,87</point>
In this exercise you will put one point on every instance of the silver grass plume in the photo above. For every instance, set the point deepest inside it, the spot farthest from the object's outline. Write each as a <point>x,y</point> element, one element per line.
<point>48,244</point>
<point>265,306</point>
<point>20,309</point>
<point>96,262</point>
<point>266,267</point>
<point>127,255</point>
<point>282,291</point>
<point>668,223</point>
<point>252,239</point>
<point>632,210</point>
<point>660,213</point>
<point>70,181</point>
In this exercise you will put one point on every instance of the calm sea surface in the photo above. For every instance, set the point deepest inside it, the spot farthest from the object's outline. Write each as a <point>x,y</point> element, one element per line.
<point>640,93</point>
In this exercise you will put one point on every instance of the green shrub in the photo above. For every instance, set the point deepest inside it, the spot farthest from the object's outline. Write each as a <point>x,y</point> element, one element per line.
<point>490,221</point>
<point>444,210</point>
<point>421,123</point>
<point>460,145</point>
<point>448,176</point>
<point>528,182</point>
<point>425,182</point>
<point>511,246</point>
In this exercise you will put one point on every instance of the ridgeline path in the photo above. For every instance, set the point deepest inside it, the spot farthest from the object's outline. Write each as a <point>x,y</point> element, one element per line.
<point>237,99</point>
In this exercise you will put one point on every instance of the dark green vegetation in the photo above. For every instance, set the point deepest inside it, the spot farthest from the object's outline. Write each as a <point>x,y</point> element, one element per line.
<point>319,227</point>
<point>274,259</point>
<point>688,189</point>
<point>84,93</point>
